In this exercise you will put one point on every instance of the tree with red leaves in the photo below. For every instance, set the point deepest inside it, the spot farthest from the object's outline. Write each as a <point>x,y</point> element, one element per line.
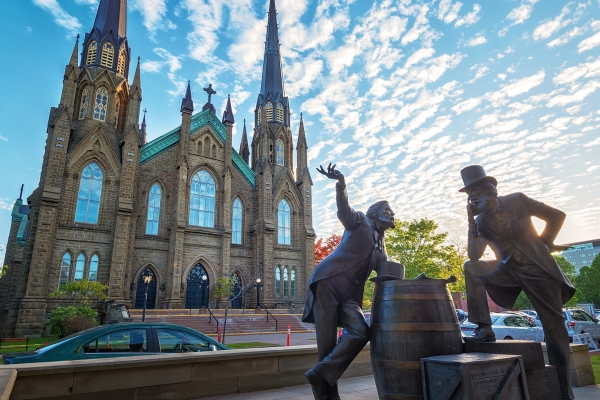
<point>326,246</point>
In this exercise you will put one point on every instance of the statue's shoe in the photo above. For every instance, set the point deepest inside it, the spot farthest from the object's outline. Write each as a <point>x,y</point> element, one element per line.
<point>332,392</point>
<point>318,384</point>
<point>481,335</point>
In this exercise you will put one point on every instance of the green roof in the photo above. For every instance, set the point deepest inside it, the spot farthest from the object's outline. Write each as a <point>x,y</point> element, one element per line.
<point>200,120</point>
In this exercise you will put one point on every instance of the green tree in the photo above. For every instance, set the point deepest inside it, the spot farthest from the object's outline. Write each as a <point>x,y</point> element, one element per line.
<point>224,287</point>
<point>588,282</point>
<point>81,293</point>
<point>420,249</point>
<point>65,321</point>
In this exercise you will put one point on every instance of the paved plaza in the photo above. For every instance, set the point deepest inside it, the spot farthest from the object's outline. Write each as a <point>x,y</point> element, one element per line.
<point>362,388</point>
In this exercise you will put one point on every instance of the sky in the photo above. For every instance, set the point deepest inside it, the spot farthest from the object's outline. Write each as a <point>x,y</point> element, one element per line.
<point>401,94</point>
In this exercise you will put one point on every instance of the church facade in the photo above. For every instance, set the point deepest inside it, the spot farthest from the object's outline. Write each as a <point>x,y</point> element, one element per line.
<point>185,208</point>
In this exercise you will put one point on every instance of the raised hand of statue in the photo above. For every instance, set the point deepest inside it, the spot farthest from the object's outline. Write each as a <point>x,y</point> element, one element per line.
<point>470,212</point>
<point>332,173</point>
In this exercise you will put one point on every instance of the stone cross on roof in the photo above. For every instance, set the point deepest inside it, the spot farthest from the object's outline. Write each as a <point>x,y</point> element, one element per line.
<point>210,91</point>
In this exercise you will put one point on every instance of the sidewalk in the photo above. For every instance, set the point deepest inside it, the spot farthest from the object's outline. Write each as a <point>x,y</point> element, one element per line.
<point>362,388</point>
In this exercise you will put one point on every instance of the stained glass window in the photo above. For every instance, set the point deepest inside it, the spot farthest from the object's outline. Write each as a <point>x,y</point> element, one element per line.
<point>236,222</point>
<point>284,224</point>
<point>154,198</point>
<point>93,276</point>
<point>65,269</point>
<point>85,102</point>
<point>79,268</point>
<point>202,200</point>
<point>277,281</point>
<point>101,104</point>
<point>279,151</point>
<point>90,192</point>
<point>285,282</point>
<point>293,283</point>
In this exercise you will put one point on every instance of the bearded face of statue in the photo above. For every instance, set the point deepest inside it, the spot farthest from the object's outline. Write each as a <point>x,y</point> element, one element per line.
<point>481,198</point>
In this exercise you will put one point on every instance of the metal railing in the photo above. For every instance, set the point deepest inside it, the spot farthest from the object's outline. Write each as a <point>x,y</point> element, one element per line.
<point>272,316</point>
<point>210,317</point>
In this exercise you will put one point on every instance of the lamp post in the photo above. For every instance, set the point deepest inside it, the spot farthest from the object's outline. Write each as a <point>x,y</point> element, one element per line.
<point>258,285</point>
<point>147,277</point>
<point>204,279</point>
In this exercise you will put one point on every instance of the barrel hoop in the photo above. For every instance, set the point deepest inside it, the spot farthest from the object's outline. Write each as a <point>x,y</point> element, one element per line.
<point>417,327</point>
<point>415,296</point>
<point>397,364</point>
<point>394,396</point>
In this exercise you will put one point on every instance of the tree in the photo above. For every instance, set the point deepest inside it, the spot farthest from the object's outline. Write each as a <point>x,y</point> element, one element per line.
<point>224,288</point>
<point>81,293</point>
<point>324,247</point>
<point>588,282</point>
<point>420,249</point>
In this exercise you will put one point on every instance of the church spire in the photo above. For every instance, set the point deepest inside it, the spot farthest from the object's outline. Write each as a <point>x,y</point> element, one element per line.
<point>228,113</point>
<point>244,149</point>
<point>143,130</point>
<point>187,105</point>
<point>106,43</point>
<point>74,55</point>
<point>272,94</point>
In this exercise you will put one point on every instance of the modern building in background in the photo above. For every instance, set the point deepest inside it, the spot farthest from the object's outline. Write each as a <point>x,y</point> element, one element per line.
<point>186,208</point>
<point>581,254</point>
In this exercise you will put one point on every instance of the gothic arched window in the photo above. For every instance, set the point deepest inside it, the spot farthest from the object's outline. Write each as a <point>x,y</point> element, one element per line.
<point>277,281</point>
<point>202,200</point>
<point>79,268</point>
<point>93,275</point>
<point>279,151</point>
<point>153,210</point>
<point>283,218</point>
<point>91,54</point>
<point>100,104</point>
<point>65,269</point>
<point>279,113</point>
<point>108,55</point>
<point>90,192</point>
<point>285,282</point>
<point>236,222</point>
<point>85,102</point>
<point>269,111</point>
<point>293,283</point>
<point>121,62</point>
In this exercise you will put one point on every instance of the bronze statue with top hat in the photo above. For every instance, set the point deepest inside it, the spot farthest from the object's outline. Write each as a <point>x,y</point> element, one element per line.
<point>523,263</point>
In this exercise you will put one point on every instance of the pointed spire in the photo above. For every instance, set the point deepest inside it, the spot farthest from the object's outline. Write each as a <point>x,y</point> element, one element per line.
<point>74,56</point>
<point>272,76</point>
<point>21,194</point>
<point>228,113</point>
<point>187,105</point>
<point>136,76</point>
<point>244,149</point>
<point>143,130</point>
<point>301,134</point>
<point>112,15</point>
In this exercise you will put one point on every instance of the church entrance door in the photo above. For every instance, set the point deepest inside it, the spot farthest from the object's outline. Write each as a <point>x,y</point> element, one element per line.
<point>236,298</point>
<point>196,294</point>
<point>141,290</point>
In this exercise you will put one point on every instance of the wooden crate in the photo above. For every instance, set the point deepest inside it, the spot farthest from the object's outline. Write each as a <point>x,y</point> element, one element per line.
<point>474,376</point>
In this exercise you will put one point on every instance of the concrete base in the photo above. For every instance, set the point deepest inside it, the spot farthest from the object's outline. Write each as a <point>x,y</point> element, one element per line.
<point>582,373</point>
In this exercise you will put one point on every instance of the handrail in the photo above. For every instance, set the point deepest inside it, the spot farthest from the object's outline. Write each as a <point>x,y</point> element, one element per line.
<point>272,316</point>
<point>213,316</point>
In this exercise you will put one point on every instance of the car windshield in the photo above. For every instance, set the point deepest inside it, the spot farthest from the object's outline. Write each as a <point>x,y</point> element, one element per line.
<point>494,318</point>
<point>64,340</point>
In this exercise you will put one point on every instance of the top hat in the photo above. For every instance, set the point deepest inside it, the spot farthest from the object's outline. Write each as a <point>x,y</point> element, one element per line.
<point>388,270</point>
<point>475,175</point>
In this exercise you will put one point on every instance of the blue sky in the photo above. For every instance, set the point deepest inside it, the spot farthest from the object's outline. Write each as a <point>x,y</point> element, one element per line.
<point>401,94</point>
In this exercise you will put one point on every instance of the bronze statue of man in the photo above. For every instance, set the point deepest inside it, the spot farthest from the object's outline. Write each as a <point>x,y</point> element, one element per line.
<point>523,262</point>
<point>335,292</point>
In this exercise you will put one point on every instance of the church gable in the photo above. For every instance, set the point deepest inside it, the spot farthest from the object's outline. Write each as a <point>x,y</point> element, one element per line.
<point>95,143</point>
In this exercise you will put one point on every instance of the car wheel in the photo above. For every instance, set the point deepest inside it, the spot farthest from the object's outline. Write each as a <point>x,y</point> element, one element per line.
<point>508,338</point>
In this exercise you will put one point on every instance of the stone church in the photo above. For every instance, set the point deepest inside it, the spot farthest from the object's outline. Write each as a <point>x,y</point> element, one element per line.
<point>186,208</point>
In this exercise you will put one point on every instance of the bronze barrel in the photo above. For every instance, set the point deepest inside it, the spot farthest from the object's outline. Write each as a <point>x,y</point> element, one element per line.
<point>410,320</point>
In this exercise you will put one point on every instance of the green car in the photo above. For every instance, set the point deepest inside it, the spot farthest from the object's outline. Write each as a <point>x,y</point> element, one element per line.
<point>119,340</point>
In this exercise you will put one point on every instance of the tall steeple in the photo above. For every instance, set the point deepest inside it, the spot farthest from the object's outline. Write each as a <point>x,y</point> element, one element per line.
<point>106,43</point>
<point>272,94</point>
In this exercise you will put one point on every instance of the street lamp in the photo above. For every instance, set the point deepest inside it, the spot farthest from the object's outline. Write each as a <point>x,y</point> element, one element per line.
<point>147,278</point>
<point>258,285</point>
<point>204,279</point>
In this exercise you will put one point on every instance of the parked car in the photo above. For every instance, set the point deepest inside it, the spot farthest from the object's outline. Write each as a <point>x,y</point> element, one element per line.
<point>578,321</point>
<point>119,340</point>
<point>509,326</point>
<point>529,317</point>
<point>461,315</point>
<point>343,332</point>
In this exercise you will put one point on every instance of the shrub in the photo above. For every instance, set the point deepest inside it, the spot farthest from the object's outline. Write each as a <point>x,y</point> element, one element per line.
<point>65,321</point>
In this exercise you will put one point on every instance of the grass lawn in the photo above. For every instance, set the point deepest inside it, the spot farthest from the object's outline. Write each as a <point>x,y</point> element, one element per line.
<point>596,367</point>
<point>33,344</point>
<point>250,345</point>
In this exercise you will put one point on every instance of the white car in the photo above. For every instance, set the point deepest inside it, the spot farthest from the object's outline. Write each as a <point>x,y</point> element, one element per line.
<point>508,327</point>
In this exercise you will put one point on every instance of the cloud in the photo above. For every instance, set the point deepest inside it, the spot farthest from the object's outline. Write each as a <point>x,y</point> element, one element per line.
<point>549,27</point>
<point>61,17</point>
<point>466,105</point>
<point>578,96</point>
<point>153,12</point>
<point>588,43</point>
<point>4,205</point>
<point>172,63</point>
<point>3,138</point>
<point>518,15</point>
<point>566,37</point>
<point>470,18</point>
<point>583,70</point>
<point>448,13</point>
<point>515,88</point>
<point>481,71</point>
<point>476,41</point>
<point>205,17</point>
